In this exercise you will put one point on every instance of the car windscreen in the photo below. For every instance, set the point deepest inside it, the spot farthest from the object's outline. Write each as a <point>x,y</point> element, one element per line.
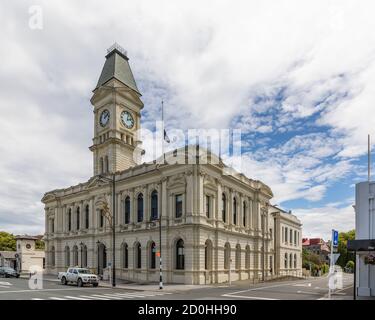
<point>84,271</point>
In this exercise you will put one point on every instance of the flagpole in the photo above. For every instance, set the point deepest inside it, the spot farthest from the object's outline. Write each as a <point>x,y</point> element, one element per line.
<point>160,257</point>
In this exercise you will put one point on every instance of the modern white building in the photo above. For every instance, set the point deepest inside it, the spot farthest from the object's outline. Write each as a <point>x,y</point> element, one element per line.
<point>214,226</point>
<point>365,230</point>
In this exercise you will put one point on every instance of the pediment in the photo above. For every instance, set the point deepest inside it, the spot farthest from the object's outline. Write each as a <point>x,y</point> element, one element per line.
<point>96,182</point>
<point>49,196</point>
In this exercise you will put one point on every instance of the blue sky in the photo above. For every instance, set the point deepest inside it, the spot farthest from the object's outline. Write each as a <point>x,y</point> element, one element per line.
<point>297,77</point>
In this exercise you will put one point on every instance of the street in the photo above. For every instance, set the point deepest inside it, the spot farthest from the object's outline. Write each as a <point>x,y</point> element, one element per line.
<point>309,289</point>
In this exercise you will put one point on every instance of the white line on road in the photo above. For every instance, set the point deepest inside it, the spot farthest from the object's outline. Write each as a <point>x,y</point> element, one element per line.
<point>47,290</point>
<point>309,292</point>
<point>95,298</point>
<point>57,298</point>
<point>247,297</point>
<point>75,298</point>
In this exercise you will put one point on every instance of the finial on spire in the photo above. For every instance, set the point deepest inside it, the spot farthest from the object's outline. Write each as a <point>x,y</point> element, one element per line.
<point>117,47</point>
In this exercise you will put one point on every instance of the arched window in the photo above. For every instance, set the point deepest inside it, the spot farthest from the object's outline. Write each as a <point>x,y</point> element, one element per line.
<point>286,261</point>
<point>78,217</point>
<point>234,211</point>
<point>53,257</point>
<point>244,214</point>
<point>138,256</point>
<point>87,217</point>
<point>125,257</point>
<point>84,256</point>
<point>247,257</point>
<point>224,207</point>
<point>290,261</point>
<point>152,255</point>
<point>67,256</point>
<point>238,257</point>
<point>101,165</point>
<point>180,255</point>
<point>75,256</point>
<point>70,219</point>
<point>127,210</point>
<point>154,205</point>
<point>208,255</point>
<point>227,256</point>
<point>140,207</point>
<point>295,261</point>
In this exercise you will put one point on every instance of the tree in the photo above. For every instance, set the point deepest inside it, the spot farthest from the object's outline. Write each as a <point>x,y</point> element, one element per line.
<point>345,256</point>
<point>39,245</point>
<point>350,265</point>
<point>7,241</point>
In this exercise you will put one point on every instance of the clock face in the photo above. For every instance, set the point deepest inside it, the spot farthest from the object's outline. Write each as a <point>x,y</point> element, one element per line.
<point>127,119</point>
<point>104,118</point>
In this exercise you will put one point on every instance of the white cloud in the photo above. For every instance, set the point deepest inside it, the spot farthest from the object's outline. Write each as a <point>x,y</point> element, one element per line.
<point>319,222</point>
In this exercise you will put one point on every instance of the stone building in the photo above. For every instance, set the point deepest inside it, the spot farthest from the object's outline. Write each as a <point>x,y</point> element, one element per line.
<point>213,225</point>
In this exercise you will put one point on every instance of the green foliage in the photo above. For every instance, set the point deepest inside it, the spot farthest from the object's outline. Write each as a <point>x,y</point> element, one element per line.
<point>39,245</point>
<point>350,265</point>
<point>7,241</point>
<point>345,256</point>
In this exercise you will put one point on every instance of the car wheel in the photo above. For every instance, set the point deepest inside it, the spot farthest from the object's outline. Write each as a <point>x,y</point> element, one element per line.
<point>95,284</point>
<point>63,281</point>
<point>79,283</point>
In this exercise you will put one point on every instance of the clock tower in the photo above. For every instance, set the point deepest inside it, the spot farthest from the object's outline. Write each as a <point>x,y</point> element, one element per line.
<point>117,115</point>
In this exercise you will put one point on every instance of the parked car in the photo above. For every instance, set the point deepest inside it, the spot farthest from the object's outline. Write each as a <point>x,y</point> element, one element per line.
<point>79,276</point>
<point>7,272</point>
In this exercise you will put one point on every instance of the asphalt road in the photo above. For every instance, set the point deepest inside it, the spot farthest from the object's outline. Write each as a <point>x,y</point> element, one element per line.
<point>311,289</point>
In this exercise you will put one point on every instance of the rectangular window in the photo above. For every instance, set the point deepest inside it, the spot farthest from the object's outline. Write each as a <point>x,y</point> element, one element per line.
<point>208,203</point>
<point>295,238</point>
<point>101,219</point>
<point>291,236</point>
<point>286,235</point>
<point>282,235</point>
<point>53,225</point>
<point>178,205</point>
<point>271,235</point>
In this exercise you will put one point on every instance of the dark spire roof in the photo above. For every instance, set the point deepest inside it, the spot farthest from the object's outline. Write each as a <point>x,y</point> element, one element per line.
<point>117,66</point>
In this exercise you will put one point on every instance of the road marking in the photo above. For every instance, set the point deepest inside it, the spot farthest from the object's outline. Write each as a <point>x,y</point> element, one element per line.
<point>48,290</point>
<point>3,283</point>
<point>75,298</point>
<point>36,299</point>
<point>247,297</point>
<point>302,285</point>
<point>57,298</point>
<point>4,287</point>
<point>104,296</point>
<point>94,298</point>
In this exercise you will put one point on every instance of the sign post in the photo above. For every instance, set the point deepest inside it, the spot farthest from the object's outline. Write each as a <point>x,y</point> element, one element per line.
<point>334,244</point>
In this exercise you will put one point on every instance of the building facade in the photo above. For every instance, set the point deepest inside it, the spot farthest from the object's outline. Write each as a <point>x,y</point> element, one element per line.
<point>214,226</point>
<point>26,257</point>
<point>365,230</point>
<point>319,247</point>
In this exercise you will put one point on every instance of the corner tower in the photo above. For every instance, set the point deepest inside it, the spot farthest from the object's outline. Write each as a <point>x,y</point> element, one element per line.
<point>117,114</point>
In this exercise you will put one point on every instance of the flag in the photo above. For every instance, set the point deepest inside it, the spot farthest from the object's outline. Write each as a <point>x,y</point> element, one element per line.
<point>166,138</point>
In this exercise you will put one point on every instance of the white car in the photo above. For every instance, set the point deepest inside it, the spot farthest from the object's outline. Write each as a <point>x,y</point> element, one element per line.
<point>79,276</point>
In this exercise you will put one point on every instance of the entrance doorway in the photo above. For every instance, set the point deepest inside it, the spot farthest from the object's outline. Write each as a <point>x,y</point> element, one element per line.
<point>102,258</point>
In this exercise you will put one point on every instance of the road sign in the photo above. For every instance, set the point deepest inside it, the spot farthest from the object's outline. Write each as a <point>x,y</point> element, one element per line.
<point>335,257</point>
<point>158,254</point>
<point>335,238</point>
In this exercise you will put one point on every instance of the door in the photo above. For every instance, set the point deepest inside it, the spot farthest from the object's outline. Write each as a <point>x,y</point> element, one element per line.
<point>102,258</point>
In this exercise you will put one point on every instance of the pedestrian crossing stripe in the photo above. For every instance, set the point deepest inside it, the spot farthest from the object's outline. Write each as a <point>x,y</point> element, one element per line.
<point>108,296</point>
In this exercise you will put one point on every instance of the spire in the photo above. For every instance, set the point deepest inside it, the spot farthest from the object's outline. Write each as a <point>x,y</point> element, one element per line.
<point>117,66</point>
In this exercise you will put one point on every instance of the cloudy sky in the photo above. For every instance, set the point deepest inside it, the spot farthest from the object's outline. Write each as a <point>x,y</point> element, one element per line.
<point>297,77</point>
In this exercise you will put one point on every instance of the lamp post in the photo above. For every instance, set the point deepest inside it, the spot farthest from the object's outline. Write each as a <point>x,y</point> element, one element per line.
<point>113,182</point>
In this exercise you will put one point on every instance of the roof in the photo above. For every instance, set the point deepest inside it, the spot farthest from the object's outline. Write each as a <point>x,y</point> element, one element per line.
<point>26,237</point>
<point>8,254</point>
<point>117,67</point>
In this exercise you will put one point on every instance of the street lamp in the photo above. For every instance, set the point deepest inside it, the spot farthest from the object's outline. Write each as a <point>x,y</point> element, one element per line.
<point>113,182</point>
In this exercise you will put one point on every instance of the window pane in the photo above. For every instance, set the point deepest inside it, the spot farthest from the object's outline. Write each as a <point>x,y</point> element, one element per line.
<point>178,205</point>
